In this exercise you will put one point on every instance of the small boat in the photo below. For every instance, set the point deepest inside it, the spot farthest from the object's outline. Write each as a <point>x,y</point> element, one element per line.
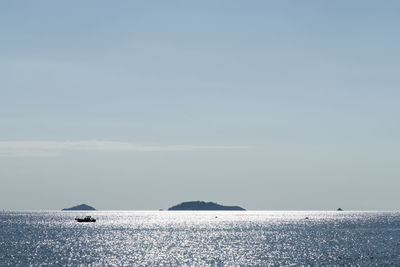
<point>86,219</point>
<point>339,209</point>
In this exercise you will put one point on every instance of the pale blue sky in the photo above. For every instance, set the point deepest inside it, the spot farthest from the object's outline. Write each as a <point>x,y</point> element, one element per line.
<point>145,104</point>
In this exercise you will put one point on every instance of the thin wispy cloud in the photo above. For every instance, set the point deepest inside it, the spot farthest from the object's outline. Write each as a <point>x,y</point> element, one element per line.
<point>55,148</point>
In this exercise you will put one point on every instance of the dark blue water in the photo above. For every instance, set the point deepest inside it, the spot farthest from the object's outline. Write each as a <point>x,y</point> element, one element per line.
<point>250,238</point>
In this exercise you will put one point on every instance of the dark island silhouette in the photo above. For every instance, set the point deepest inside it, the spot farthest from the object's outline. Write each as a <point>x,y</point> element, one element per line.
<point>80,207</point>
<point>201,205</point>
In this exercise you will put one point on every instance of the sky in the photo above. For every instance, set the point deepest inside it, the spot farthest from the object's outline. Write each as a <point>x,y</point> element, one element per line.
<point>141,105</point>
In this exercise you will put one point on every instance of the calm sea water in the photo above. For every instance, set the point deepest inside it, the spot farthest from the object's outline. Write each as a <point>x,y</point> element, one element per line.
<point>179,238</point>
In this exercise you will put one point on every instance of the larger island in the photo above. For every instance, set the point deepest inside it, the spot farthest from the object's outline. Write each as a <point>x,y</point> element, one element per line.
<point>201,205</point>
<point>80,207</point>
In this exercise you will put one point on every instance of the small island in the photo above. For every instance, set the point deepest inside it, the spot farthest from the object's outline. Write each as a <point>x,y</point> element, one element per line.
<point>201,205</point>
<point>80,207</point>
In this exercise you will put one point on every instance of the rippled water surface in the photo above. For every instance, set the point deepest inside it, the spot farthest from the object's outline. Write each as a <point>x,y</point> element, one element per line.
<point>200,238</point>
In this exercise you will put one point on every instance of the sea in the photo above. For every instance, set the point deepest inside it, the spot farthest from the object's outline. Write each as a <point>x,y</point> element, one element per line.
<point>200,238</point>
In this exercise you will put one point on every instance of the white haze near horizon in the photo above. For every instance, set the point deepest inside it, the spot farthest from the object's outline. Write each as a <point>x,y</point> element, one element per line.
<point>142,105</point>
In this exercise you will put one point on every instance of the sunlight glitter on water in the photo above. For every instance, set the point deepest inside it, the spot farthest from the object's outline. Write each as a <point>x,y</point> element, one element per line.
<point>205,238</point>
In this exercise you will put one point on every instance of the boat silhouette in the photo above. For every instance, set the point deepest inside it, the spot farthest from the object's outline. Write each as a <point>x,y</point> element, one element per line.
<point>86,219</point>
